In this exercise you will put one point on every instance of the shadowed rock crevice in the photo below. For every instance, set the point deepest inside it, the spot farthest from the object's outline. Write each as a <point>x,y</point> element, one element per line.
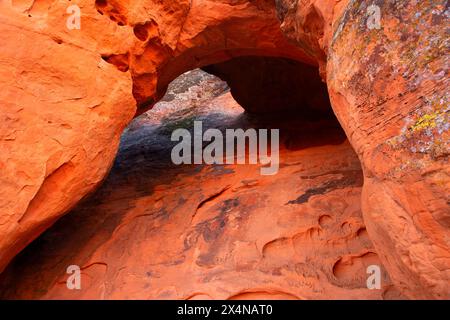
<point>270,84</point>
<point>349,178</point>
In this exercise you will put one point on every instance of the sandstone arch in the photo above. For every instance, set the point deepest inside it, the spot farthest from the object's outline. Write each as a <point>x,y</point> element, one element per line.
<point>68,94</point>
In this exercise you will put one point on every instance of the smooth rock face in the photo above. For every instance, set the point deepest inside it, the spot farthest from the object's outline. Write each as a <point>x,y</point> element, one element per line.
<point>67,95</point>
<point>159,231</point>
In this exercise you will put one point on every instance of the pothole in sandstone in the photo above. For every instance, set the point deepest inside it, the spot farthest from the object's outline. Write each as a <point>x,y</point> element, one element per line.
<point>159,231</point>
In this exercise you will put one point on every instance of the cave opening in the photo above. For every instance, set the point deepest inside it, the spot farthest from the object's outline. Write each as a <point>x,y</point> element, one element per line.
<point>159,230</point>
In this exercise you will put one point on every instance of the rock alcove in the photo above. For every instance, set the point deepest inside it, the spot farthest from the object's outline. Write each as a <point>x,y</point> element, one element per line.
<point>217,231</point>
<point>72,96</point>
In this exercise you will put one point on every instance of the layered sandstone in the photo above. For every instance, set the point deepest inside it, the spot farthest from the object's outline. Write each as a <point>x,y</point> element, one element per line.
<point>57,95</point>
<point>68,94</point>
<point>388,87</point>
<point>159,231</point>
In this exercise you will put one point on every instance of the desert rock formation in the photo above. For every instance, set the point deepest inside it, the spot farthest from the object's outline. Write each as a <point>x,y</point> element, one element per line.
<point>159,231</point>
<point>67,96</point>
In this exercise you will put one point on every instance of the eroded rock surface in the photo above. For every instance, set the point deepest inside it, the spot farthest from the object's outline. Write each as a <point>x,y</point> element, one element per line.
<point>55,98</point>
<point>67,95</point>
<point>159,231</point>
<point>388,88</point>
<point>395,106</point>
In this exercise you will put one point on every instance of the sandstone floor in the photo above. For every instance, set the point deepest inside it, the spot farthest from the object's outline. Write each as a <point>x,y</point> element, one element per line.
<point>159,231</point>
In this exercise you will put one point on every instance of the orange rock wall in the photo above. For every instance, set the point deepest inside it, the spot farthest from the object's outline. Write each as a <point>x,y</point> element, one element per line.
<point>67,95</point>
<point>388,88</point>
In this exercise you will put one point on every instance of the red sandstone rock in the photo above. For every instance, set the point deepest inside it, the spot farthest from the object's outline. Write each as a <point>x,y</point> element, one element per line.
<point>392,99</point>
<point>62,112</point>
<point>212,232</point>
<point>388,87</point>
<point>64,107</point>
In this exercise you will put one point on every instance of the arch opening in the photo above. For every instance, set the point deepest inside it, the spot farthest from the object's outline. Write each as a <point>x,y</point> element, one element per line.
<point>387,85</point>
<point>161,231</point>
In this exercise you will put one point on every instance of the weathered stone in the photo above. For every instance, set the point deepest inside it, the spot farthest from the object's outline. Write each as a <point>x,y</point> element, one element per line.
<point>68,94</point>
